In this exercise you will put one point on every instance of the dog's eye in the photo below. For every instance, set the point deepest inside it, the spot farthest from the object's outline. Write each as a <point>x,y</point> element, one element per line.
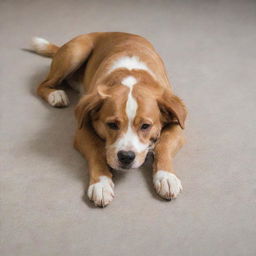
<point>113,126</point>
<point>145,126</point>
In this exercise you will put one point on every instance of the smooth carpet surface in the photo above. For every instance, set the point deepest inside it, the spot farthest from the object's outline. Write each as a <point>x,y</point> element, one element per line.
<point>210,54</point>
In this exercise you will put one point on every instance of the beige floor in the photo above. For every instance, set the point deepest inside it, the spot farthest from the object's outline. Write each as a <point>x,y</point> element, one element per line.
<point>209,48</point>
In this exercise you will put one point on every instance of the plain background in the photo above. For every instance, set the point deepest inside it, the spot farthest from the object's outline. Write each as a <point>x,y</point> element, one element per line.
<point>209,51</point>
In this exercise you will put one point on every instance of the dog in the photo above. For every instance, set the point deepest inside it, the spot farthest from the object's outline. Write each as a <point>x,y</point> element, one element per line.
<point>126,110</point>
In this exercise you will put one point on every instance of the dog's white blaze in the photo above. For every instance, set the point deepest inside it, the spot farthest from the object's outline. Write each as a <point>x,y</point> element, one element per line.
<point>130,140</point>
<point>131,104</point>
<point>129,81</point>
<point>130,63</point>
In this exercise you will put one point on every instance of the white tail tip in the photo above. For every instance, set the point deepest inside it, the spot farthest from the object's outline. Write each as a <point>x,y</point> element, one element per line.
<point>39,44</point>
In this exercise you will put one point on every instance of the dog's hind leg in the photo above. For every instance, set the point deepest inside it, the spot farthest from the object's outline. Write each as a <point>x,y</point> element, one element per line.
<point>66,60</point>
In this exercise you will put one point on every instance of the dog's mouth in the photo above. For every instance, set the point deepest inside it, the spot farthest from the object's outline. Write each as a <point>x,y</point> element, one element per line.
<point>121,167</point>
<point>125,166</point>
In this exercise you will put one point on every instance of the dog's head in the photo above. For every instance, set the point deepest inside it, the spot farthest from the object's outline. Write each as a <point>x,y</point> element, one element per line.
<point>129,116</point>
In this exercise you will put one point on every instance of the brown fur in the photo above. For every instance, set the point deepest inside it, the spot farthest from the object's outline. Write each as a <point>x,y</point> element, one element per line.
<point>104,99</point>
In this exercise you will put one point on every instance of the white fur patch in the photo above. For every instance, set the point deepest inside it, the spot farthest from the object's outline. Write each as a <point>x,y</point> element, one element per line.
<point>130,63</point>
<point>58,98</point>
<point>167,184</point>
<point>101,193</point>
<point>129,81</point>
<point>131,104</point>
<point>39,44</point>
<point>130,140</point>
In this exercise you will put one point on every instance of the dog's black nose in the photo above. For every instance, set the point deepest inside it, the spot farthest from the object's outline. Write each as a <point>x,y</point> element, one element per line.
<point>125,157</point>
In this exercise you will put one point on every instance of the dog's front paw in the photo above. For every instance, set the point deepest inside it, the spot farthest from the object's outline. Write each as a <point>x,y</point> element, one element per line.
<point>58,98</point>
<point>101,193</point>
<point>167,184</point>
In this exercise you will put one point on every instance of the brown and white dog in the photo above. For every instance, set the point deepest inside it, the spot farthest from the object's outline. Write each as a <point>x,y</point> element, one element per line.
<point>127,107</point>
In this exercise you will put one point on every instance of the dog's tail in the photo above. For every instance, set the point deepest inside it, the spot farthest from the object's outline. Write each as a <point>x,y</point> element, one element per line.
<point>43,47</point>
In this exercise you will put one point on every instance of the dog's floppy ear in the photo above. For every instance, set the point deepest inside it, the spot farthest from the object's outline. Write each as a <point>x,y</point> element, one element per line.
<point>89,105</point>
<point>171,107</point>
